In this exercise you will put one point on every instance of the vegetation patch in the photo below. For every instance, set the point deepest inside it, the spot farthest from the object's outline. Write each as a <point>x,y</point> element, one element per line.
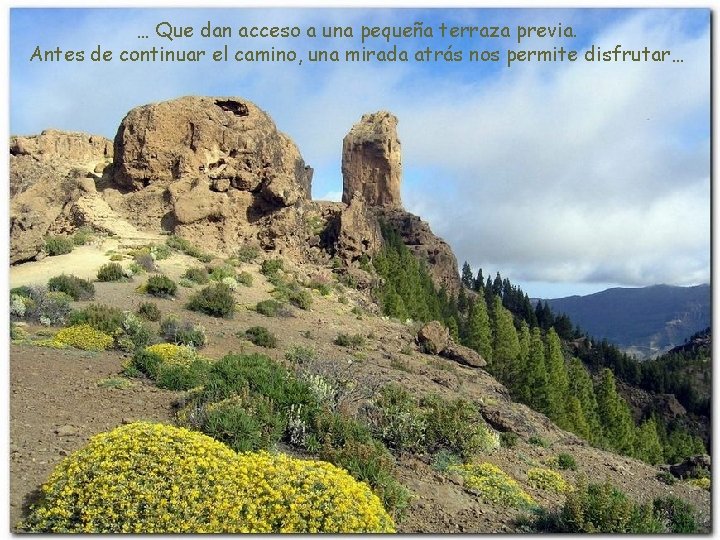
<point>111,272</point>
<point>149,311</point>
<point>188,248</point>
<point>84,337</point>
<point>214,300</point>
<point>161,286</point>
<point>151,478</point>
<point>181,332</point>
<point>197,275</point>
<point>270,308</point>
<point>354,341</point>
<point>58,245</point>
<point>493,485</point>
<point>73,286</point>
<point>260,336</point>
<point>547,480</point>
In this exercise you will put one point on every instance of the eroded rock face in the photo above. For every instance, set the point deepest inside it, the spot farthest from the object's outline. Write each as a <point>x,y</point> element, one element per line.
<point>228,143</point>
<point>434,338</point>
<point>358,231</point>
<point>212,170</point>
<point>48,172</point>
<point>371,161</point>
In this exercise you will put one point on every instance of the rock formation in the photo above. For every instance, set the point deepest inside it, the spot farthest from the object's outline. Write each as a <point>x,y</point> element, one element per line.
<point>371,163</point>
<point>206,169</point>
<point>434,338</point>
<point>371,167</point>
<point>48,172</point>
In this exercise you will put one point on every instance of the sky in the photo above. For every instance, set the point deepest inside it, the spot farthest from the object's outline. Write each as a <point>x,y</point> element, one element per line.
<point>566,177</point>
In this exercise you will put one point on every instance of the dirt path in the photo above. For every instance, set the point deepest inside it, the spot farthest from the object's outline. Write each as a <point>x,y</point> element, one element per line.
<point>56,404</point>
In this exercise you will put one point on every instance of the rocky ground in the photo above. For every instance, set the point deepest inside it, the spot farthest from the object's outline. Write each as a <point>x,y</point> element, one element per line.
<point>60,398</point>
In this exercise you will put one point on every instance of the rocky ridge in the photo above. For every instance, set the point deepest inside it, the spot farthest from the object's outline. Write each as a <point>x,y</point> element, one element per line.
<point>219,173</point>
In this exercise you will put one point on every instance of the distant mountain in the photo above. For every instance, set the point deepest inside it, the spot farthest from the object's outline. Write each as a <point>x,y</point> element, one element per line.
<point>641,321</point>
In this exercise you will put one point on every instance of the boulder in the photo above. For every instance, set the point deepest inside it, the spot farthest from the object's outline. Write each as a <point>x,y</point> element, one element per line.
<point>463,355</point>
<point>371,164</point>
<point>215,171</point>
<point>433,338</point>
<point>692,467</point>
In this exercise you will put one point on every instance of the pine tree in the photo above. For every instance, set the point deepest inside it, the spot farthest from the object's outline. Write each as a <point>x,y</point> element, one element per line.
<point>479,333</point>
<point>615,419</point>
<point>534,388</point>
<point>467,276</point>
<point>516,381</point>
<point>580,385</point>
<point>557,379</point>
<point>647,443</point>
<point>452,325</point>
<point>462,303</point>
<point>576,421</point>
<point>505,347</point>
<point>479,281</point>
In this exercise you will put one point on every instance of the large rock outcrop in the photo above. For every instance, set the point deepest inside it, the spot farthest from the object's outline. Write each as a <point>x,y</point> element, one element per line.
<point>371,164</point>
<point>205,168</point>
<point>48,173</point>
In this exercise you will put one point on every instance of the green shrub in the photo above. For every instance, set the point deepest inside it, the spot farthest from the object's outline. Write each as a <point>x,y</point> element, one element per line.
<point>17,333</point>
<point>271,266</point>
<point>260,336</point>
<point>457,426</point>
<point>214,300</point>
<point>82,236</point>
<point>149,311</point>
<point>182,332</point>
<point>402,424</point>
<point>245,278</point>
<point>135,334</point>
<point>600,508</point>
<point>300,298</point>
<point>538,441</point>
<point>150,478</point>
<point>104,318</point>
<point>320,286</point>
<point>77,288</point>
<point>161,286</point>
<point>354,341</point>
<point>219,273</point>
<point>43,306</point>
<point>677,515</point>
<point>444,460</point>
<point>508,439</point>
<point>175,367</point>
<point>566,462</point>
<point>248,254</point>
<point>111,272</point>
<point>197,275</point>
<point>300,355</point>
<point>269,308</point>
<point>58,245</point>
<point>370,462</point>
<point>245,422</point>
<point>666,478</point>
<point>186,247</point>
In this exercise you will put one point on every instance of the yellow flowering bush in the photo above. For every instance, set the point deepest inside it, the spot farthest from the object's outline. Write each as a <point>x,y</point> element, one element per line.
<point>85,337</point>
<point>154,478</point>
<point>703,483</point>
<point>493,484</point>
<point>171,354</point>
<point>548,480</point>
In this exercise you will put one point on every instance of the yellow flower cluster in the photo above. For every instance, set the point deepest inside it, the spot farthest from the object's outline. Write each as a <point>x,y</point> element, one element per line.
<point>85,337</point>
<point>154,478</point>
<point>493,484</point>
<point>171,354</point>
<point>703,483</point>
<point>546,479</point>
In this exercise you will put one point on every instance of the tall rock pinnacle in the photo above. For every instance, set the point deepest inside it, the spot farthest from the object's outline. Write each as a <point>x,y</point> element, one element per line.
<point>371,163</point>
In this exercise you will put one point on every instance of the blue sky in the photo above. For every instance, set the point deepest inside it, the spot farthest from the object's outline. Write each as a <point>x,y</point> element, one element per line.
<point>565,177</point>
